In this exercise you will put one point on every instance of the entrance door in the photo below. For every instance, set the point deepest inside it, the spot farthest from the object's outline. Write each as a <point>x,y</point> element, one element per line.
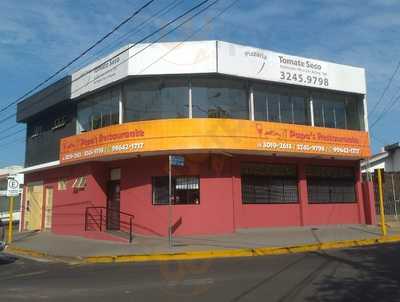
<point>34,206</point>
<point>113,205</point>
<point>49,208</point>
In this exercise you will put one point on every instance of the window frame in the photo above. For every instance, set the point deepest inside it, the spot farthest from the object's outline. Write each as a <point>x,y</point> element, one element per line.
<point>173,185</point>
<point>268,178</point>
<point>93,107</point>
<point>278,96</point>
<point>349,102</point>
<point>224,85</point>
<point>330,180</point>
<point>130,87</point>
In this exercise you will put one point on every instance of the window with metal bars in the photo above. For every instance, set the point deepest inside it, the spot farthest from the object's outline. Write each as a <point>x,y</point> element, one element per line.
<point>185,190</point>
<point>264,183</point>
<point>330,185</point>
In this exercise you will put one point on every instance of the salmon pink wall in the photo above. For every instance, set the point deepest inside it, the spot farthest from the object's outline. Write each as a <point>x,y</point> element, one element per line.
<point>69,205</point>
<point>220,210</point>
<point>296,214</point>
<point>214,214</point>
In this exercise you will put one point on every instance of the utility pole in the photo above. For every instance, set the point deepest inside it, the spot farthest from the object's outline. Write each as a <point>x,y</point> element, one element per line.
<point>382,210</point>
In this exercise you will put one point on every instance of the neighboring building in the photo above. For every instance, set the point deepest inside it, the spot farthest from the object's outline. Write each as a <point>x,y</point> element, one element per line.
<point>388,159</point>
<point>268,140</point>
<point>5,173</point>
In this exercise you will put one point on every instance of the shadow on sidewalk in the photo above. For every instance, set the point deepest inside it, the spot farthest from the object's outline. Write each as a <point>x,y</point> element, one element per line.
<point>24,235</point>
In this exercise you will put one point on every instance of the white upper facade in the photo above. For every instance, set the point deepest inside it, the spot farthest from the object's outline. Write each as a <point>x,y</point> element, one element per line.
<point>206,57</point>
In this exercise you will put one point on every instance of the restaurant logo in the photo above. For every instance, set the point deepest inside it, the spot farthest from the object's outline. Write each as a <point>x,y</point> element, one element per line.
<point>258,54</point>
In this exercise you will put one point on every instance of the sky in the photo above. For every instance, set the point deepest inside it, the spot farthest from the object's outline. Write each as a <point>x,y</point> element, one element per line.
<point>37,37</point>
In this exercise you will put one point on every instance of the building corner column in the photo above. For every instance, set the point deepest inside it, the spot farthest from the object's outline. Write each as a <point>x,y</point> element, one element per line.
<point>359,194</point>
<point>303,196</point>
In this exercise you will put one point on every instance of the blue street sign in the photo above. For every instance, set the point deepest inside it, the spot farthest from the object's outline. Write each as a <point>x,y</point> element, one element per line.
<point>177,160</point>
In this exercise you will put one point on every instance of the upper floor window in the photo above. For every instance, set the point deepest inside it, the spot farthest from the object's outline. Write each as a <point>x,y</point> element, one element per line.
<point>36,131</point>
<point>220,98</point>
<point>284,106</point>
<point>99,111</point>
<point>59,123</point>
<point>213,97</point>
<point>156,99</point>
<point>336,111</point>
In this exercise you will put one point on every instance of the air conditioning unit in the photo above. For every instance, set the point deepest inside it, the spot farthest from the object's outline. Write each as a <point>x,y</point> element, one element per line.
<point>79,183</point>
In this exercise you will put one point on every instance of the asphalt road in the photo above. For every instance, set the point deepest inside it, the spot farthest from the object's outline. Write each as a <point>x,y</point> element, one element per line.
<point>363,274</point>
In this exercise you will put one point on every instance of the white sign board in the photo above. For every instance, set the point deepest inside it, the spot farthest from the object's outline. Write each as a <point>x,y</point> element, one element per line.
<point>101,73</point>
<point>12,187</point>
<point>173,58</point>
<point>267,65</point>
<point>204,57</point>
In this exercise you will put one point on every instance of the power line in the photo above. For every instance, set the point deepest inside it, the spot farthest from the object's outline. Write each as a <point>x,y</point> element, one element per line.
<point>131,46</point>
<point>11,134</point>
<point>11,142</point>
<point>162,12</point>
<point>386,88</point>
<point>377,138</point>
<point>394,100</point>
<point>222,11</point>
<point>79,56</point>
<point>155,41</point>
<point>11,127</point>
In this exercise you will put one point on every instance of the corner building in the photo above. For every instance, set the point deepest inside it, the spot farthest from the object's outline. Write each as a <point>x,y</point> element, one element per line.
<point>268,140</point>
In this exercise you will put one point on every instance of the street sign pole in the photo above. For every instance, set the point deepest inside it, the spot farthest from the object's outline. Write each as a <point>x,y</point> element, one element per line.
<point>10,220</point>
<point>173,161</point>
<point>12,190</point>
<point>169,202</point>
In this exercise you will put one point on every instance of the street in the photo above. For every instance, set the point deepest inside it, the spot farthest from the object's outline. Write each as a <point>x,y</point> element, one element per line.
<point>363,274</point>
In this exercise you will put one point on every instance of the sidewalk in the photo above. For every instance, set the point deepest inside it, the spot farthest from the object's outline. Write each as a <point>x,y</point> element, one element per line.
<point>77,247</point>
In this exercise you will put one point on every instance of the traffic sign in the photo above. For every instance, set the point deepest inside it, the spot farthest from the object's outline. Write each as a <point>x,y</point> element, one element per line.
<point>12,187</point>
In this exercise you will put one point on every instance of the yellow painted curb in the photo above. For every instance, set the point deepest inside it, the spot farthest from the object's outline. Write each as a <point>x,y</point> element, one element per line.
<point>26,252</point>
<point>262,251</point>
<point>211,254</point>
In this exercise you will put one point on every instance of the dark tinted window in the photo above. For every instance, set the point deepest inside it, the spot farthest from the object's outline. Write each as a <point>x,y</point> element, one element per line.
<point>220,98</point>
<point>99,110</point>
<point>285,105</point>
<point>156,99</point>
<point>337,111</point>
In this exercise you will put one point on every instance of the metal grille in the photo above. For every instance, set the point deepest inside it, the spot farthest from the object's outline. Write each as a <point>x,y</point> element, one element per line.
<point>265,189</point>
<point>391,194</point>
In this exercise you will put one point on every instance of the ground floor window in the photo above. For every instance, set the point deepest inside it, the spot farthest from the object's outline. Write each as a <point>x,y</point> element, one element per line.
<point>265,183</point>
<point>185,190</point>
<point>330,184</point>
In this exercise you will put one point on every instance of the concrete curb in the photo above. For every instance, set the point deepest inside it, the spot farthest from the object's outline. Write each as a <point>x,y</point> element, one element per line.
<point>41,255</point>
<point>250,252</point>
<point>210,254</point>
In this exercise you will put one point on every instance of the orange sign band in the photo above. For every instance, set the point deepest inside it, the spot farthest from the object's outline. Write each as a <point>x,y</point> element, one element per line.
<point>175,135</point>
